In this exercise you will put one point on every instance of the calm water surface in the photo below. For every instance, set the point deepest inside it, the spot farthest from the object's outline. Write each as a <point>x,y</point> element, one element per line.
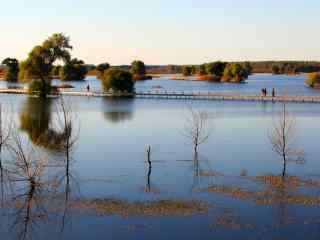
<point>108,161</point>
<point>283,84</point>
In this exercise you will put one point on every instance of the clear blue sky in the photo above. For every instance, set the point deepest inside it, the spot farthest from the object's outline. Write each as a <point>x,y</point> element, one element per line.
<point>166,31</point>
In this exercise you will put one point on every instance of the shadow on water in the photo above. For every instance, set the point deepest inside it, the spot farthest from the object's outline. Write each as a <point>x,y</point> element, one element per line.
<point>118,110</point>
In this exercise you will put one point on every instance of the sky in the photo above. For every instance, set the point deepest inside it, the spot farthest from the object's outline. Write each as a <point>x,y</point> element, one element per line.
<point>165,31</point>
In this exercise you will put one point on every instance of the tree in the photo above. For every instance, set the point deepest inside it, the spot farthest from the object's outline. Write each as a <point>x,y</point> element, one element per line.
<point>138,68</point>
<point>12,71</point>
<point>101,68</point>
<point>248,68</point>
<point>187,71</point>
<point>216,68</point>
<point>202,70</point>
<point>282,137</point>
<point>275,69</point>
<point>73,70</point>
<point>118,80</point>
<point>235,72</point>
<point>197,128</point>
<point>38,66</point>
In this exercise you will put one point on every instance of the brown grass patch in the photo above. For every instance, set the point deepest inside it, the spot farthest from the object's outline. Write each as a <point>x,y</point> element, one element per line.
<point>158,208</point>
<point>266,197</point>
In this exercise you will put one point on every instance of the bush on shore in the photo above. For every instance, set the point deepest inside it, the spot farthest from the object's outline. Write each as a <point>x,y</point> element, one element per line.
<point>313,79</point>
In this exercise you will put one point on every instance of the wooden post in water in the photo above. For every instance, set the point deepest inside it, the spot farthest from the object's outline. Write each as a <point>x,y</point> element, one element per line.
<point>148,186</point>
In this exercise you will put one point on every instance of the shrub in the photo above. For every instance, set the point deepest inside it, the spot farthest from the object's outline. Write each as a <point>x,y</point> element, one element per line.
<point>313,79</point>
<point>118,80</point>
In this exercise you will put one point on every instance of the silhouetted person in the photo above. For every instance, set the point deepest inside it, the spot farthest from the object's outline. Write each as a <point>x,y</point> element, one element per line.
<point>88,88</point>
<point>273,92</point>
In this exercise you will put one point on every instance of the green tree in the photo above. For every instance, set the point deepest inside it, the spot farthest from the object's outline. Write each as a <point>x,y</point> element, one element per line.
<point>248,68</point>
<point>275,69</point>
<point>235,72</point>
<point>187,71</point>
<point>12,71</point>
<point>73,70</point>
<point>138,68</point>
<point>101,68</point>
<point>38,66</point>
<point>216,68</point>
<point>118,80</point>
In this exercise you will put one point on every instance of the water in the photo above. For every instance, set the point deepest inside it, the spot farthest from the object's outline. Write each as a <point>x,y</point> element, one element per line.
<point>108,161</point>
<point>283,84</point>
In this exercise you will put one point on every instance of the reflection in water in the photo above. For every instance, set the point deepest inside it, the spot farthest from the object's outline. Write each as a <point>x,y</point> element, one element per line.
<point>118,110</point>
<point>149,188</point>
<point>30,188</point>
<point>36,118</point>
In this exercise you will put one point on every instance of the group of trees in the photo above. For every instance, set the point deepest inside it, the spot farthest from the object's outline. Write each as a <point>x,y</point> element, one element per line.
<point>284,68</point>
<point>39,67</point>
<point>219,71</point>
<point>288,67</point>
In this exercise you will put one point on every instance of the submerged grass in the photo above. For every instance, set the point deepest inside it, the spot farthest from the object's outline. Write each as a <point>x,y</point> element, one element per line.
<point>266,197</point>
<point>156,208</point>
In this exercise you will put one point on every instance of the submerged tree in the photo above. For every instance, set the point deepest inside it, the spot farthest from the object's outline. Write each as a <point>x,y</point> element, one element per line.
<point>197,128</point>
<point>39,64</point>
<point>282,137</point>
<point>118,80</point>
<point>12,71</point>
<point>138,68</point>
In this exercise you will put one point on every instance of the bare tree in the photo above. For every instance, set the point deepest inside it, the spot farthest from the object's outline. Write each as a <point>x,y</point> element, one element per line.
<point>5,130</point>
<point>197,128</point>
<point>282,137</point>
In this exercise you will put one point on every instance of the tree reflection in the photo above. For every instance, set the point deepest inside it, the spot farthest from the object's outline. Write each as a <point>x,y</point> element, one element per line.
<point>36,119</point>
<point>117,110</point>
<point>41,178</point>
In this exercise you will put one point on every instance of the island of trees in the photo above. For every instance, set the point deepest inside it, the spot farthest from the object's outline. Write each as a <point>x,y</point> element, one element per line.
<point>219,71</point>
